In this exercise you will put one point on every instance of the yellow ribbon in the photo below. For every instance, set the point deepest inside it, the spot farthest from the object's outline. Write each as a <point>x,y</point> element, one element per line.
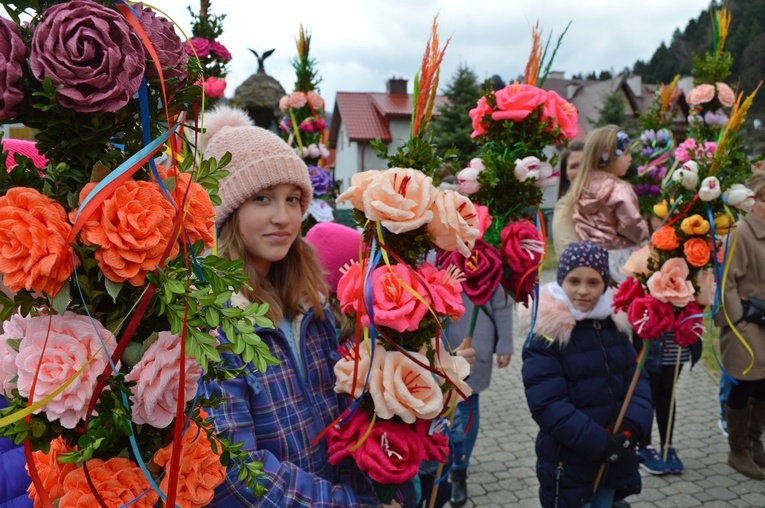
<point>725,311</point>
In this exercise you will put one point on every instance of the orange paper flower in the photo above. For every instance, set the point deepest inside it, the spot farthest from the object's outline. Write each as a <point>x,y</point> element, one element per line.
<point>118,481</point>
<point>52,472</point>
<point>665,238</point>
<point>200,472</point>
<point>199,214</point>
<point>696,252</point>
<point>132,228</point>
<point>34,254</point>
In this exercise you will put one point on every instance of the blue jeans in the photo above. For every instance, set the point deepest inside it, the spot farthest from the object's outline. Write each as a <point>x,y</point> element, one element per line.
<point>603,498</point>
<point>725,384</point>
<point>462,462</point>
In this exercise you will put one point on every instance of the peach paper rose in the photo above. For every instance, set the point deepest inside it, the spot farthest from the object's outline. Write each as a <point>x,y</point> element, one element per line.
<point>34,253</point>
<point>200,472</point>
<point>156,376</point>
<point>297,100</point>
<point>359,184</point>
<point>637,263</point>
<point>401,199</point>
<point>406,389</point>
<point>665,238</point>
<point>284,103</point>
<point>72,340</point>
<point>695,225</point>
<point>52,472</point>
<point>697,252</point>
<point>118,481</point>
<point>315,99</point>
<point>132,228</point>
<point>701,94</point>
<point>725,95</point>
<point>455,368</point>
<point>14,328</point>
<point>394,304</point>
<point>671,284</point>
<point>455,222</point>
<point>360,362</point>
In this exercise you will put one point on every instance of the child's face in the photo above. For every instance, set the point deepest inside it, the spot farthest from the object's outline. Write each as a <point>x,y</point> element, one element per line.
<point>573,164</point>
<point>583,286</point>
<point>621,164</point>
<point>269,223</point>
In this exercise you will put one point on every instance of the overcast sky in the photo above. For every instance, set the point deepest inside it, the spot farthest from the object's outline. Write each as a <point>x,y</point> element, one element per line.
<point>359,44</point>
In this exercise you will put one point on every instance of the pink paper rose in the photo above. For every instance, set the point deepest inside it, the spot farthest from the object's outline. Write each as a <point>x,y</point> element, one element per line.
<point>562,113</point>
<point>443,290</point>
<point>156,374</point>
<point>350,287</point>
<point>409,391</point>
<point>650,318</point>
<point>284,103</point>
<point>701,94</point>
<point>72,341</point>
<point>198,46</point>
<point>219,50</point>
<point>91,52</point>
<point>13,329</point>
<point>401,199</point>
<point>482,271</point>
<point>12,54</point>
<point>707,285</point>
<point>689,326</point>
<point>455,222</point>
<point>358,360</point>
<point>725,95</point>
<point>516,101</point>
<point>315,99</point>
<point>484,219</point>
<point>670,284</point>
<point>630,289</point>
<point>477,115</point>
<point>215,88</point>
<point>523,246</point>
<point>297,100</point>
<point>394,305</point>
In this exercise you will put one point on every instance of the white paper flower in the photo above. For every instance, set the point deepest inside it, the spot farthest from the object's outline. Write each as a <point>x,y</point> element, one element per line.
<point>710,189</point>
<point>319,210</point>
<point>687,179</point>
<point>740,196</point>
<point>468,177</point>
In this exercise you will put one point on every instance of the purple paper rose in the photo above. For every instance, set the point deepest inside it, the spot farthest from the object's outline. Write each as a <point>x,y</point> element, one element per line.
<point>320,180</point>
<point>167,45</point>
<point>91,52</point>
<point>198,44</point>
<point>220,51</point>
<point>12,53</point>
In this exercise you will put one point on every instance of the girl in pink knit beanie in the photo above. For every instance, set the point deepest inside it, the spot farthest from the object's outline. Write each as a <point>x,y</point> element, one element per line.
<point>278,410</point>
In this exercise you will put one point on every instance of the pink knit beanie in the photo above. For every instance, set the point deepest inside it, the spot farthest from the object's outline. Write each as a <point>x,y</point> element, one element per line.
<point>335,245</point>
<point>23,147</point>
<point>259,160</point>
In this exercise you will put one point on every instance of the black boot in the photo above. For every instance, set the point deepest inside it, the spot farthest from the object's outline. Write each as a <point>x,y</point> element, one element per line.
<point>458,479</point>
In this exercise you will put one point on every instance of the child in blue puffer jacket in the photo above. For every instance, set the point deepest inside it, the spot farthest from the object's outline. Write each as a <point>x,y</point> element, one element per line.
<point>576,373</point>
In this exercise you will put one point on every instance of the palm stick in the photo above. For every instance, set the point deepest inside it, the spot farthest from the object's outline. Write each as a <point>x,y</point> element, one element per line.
<point>672,402</point>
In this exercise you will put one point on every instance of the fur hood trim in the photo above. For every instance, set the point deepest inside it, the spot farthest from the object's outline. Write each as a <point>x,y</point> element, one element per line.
<point>555,321</point>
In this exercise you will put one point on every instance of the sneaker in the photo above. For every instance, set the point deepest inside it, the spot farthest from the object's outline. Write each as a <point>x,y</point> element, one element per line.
<point>674,464</point>
<point>651,461</point>
<point>723,425</point>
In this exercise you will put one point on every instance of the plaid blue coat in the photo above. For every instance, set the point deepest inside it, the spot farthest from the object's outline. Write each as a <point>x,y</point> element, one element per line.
<point>277,414</point>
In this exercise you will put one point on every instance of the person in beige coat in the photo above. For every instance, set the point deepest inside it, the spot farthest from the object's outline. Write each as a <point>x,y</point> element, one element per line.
<point>745,408</point>
<point>563,231</point>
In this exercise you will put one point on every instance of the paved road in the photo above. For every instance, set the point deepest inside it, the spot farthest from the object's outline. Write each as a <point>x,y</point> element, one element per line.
<point>502,467</point>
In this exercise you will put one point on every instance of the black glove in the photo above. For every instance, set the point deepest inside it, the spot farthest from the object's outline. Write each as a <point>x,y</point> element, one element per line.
<point>618,445</point>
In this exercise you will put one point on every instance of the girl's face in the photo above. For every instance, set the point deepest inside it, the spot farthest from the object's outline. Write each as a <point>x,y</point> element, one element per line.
<point>269,223</point>
<point>620,166</point>
<point>572,164</point>
<point>583,286</point>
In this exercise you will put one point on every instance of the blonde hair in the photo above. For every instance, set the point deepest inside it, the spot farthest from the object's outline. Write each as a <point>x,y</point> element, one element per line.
<point>599,141</point>
<point>289,285</point>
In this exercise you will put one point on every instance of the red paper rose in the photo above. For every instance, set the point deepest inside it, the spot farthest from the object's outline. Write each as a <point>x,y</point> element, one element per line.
<point>523,246</point>
<point>436,445</point>
<point>341,438</point>
<point>482,270</point>
<point>391,453</point>
<point>629,290</point>
<point>522,286</point>
<point>689,326</point>
<point>650,318</point>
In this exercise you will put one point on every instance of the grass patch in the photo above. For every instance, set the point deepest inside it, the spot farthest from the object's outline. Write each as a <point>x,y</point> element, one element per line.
<point>551,261</point>
<point>711,340</point>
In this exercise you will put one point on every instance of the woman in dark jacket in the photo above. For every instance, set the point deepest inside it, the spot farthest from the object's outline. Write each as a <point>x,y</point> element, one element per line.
<point>576,372</point>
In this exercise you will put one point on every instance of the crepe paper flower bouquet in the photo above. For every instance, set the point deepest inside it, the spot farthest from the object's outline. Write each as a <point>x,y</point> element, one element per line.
<point>213,56</point>
<point>656,147</point>
<point>303,127</point>
<point>107,327</point>
<point>396,370</point>
<point>514,125</point>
